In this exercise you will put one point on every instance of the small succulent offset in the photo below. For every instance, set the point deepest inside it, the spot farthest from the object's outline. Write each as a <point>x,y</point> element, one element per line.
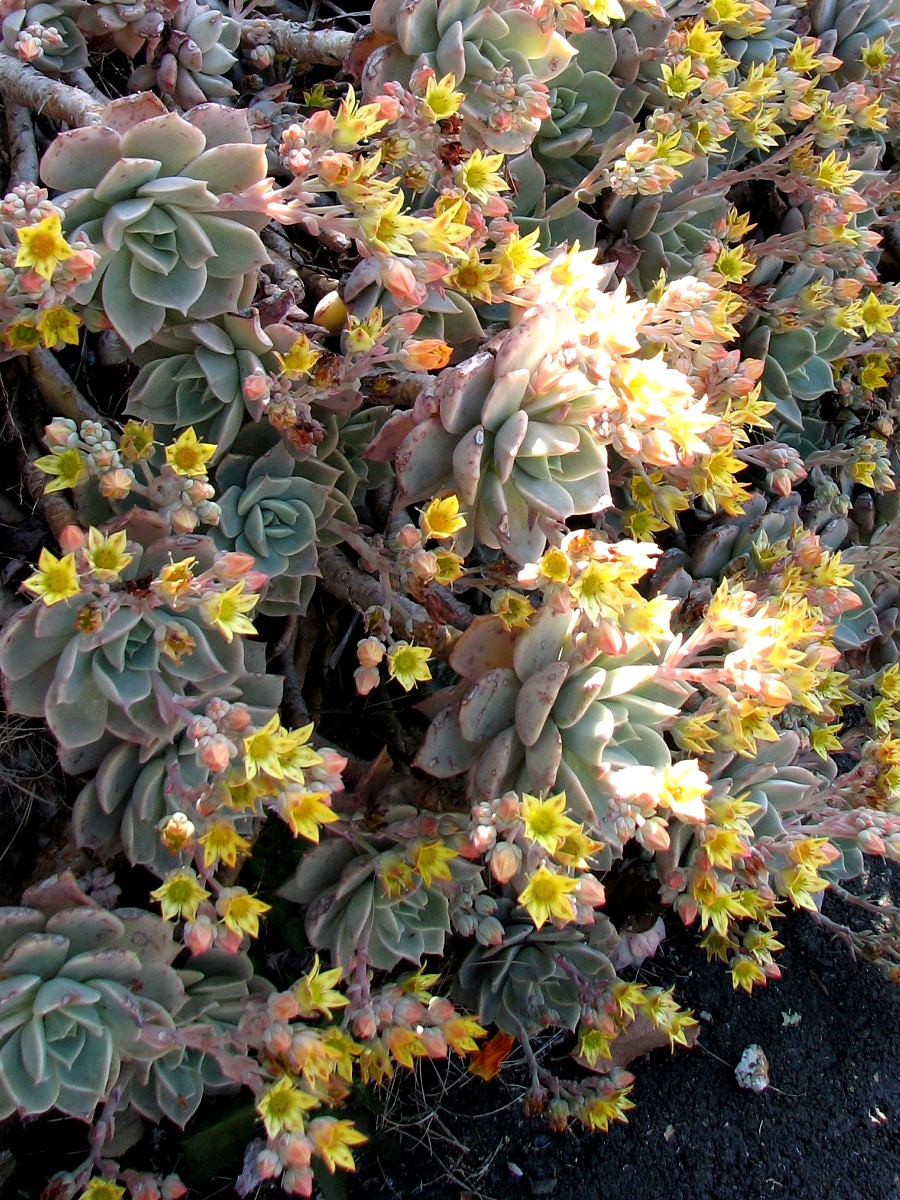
<point>192,375</point>
<point>189,57</point>
<point>46,35</point>
<point>272,508</point>
<point>173,205</point>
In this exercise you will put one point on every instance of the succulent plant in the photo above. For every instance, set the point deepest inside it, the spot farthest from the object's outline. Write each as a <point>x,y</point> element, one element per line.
<point>149,188</point>
<point>446,314</point>
<point>499,54</point>
<point>46,35</point>
<point>511,436</point>
<point>797,370</point>
<point>539,711</point>
<point>191,375</point>
<point>847,27</point>
<point>650,234</point>
<point>122,671</point>
<point>77,1001</point>
<point>190,57</point>
<point>121,809</point>
<point>780,789</point>
<point>351,911</point>
<point>128,26</point>
<point>531,979</point>
<point>272,507</point>
<point>728,547</point>
<point>214,992</point>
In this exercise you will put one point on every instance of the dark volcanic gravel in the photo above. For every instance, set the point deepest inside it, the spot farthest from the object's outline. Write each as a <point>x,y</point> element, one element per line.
<point>831,1130</point>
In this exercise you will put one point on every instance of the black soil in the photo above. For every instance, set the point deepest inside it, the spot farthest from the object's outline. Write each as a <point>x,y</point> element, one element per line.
<point>828,1127</point>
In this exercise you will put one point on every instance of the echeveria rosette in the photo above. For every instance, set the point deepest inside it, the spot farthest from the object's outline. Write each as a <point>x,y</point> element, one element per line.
<point>215,988</point>
<point>190,58</point>
<point>77,1002</point>
<point>58,19</point>
<point>173,205</point>
<point>192,374</point>
<point>509,432</point>
<point>272,507</point>
<point>120,810</point>
<point>124,678</point>
<point>534,972</point>
<point>539,711</point>
<point>499,54</point>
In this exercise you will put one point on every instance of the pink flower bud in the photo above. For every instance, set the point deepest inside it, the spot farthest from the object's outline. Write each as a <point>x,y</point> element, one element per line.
<point>506,859</point>
<point>440,1009</point>
<point>434,1042</point>
<point>184,520</point>
<point>116,484</point>
<point>297,1150</point>
<point>366,680</point>
<point>591,891</point>
<point>255,386</point>
<point>483,838</point>
<point>284,1007</point>
<point>507,808</point>
<point>298,1181</point>
<point>199,935</point>
<point>871,842</point>
<point>268,1164</point>
<point>173,1188</point>
<point>409,537</point>
<point>238,718</point>
<point>369,652</point>
<point>364,1024</point>
<point>216,753</point>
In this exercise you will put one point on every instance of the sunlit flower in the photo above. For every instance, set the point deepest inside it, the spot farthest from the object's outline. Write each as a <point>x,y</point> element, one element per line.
<point>440,518</point>
<point>180,895</point>
<point>55,579</point>
<point>187,455</point>
<point>547,897</point>
<point>282,1107</point>
<point>240,911</point>
<point>441,101</point>
<point>58,325</point>
<point>226,611</point>
<point>408,664</point>
<point>42,246</point>
<point>106,555</point>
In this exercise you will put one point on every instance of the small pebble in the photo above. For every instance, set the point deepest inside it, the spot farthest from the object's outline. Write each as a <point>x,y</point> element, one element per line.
<point>752,1072</point>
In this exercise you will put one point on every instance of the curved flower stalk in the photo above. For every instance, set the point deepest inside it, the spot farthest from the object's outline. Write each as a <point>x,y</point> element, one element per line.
<point>173,205</point>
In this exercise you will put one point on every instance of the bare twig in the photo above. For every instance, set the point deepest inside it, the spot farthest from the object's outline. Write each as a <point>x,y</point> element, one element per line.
<point>327,46</point>
<point>340,578</point>
<point>57,390</point>
<point>23,85</point>
<point>23,158</point>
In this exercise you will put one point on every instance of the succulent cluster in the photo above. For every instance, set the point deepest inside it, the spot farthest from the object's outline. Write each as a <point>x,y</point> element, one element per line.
<point>549,372</point>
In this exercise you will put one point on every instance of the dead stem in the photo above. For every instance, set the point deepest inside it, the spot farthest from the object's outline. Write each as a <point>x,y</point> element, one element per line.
<point>23,85</point>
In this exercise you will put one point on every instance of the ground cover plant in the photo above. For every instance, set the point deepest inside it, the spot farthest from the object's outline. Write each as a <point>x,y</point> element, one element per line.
<point>467,451</point>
